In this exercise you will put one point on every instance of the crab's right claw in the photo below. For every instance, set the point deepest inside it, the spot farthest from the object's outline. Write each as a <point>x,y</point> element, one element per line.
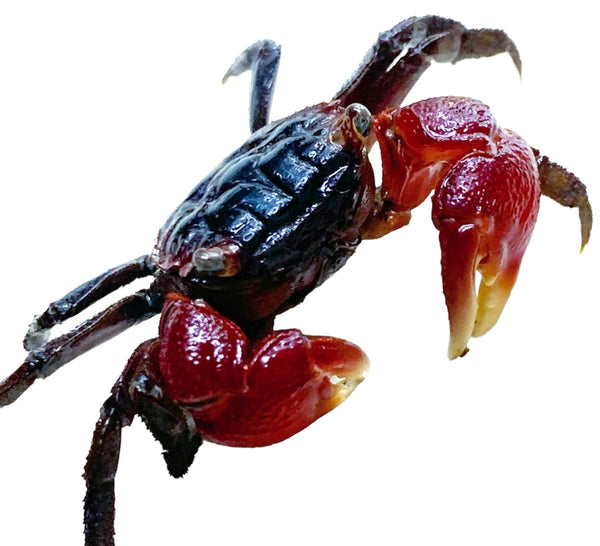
<point>485,210</point>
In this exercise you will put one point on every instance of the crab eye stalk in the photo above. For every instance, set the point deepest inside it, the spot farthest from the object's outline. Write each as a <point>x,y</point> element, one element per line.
<point>361,119</point>
<point>352,127</point>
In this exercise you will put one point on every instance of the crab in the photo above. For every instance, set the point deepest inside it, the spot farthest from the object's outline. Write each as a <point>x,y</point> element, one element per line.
<point>277,218</point>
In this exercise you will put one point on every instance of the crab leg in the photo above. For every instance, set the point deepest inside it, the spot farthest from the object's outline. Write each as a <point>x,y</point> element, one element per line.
<point>403,53</point>
<point>83,296</point>
<point>567,190</point>
<point>486,197</point>
<point>136,392</point>
<point>262,58</point>
<point>100,471</point>
<point>44,361</point>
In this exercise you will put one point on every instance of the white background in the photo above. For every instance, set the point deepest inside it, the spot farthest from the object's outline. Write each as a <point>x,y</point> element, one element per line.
<point>111,112</point>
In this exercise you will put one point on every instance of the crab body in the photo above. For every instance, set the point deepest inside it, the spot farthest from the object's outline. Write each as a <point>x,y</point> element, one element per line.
<point>271,223</point>
<point>288,205</point>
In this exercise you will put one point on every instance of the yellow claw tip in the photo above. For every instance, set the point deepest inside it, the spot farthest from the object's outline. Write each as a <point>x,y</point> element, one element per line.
<point>455,352</point>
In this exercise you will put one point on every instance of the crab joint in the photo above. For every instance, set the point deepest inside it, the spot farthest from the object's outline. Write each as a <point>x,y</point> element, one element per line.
<point>222,260</point>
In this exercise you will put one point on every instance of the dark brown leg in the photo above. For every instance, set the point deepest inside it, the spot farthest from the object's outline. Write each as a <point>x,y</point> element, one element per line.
<point>403,53</point>
<point>173,427</point>
<point>566,189</point>
<point>50,357</point>
<point>137,391</point>
<point>100,470</point>
<point>83,296</point>
<point>262,58</point>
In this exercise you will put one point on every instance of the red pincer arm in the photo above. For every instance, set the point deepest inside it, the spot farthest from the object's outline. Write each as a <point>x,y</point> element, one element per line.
<point>486,198</point>
<point>249,393</point>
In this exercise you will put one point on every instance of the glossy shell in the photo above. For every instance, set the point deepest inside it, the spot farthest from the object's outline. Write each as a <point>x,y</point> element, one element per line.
<point>291,198</point>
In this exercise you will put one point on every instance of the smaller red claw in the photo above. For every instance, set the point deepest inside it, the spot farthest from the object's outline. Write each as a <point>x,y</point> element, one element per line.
<point>293,380</point>
<point>251,393</point>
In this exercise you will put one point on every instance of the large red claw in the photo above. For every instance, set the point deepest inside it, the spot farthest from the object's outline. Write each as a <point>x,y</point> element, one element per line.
<point>485,203</point>
<point>485,209</point>
<point>251,393</point>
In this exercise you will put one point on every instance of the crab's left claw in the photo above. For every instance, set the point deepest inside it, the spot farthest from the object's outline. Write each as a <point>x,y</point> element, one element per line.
<point>485,204</point>
<point>485,210</point>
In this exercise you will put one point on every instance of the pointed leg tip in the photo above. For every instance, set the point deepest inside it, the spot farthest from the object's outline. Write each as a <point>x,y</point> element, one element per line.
<point>586,220</point>
<point>567,190</point>
<point>487,42</point>
<point>516,59</point>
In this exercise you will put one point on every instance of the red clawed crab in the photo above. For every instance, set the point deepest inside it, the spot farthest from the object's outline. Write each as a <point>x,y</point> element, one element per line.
<point>271,223</point>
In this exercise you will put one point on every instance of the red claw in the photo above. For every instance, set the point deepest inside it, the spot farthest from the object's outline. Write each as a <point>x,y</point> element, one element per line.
<point>485,202</point>
<point>202,353</point>
<point>251,393</point>
<point>496,197</point>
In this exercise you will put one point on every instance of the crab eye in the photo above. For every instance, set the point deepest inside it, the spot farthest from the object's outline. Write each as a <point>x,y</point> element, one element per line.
<point>361,118</point>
